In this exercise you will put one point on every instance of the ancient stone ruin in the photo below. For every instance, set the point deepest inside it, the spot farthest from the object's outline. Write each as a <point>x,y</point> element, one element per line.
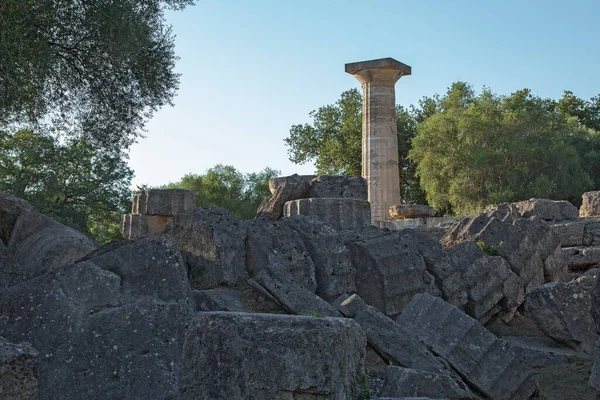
<point>320,296</point>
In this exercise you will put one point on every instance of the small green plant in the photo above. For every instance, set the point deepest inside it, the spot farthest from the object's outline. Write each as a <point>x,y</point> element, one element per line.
<point>364,387</point>
<point>490,250</point>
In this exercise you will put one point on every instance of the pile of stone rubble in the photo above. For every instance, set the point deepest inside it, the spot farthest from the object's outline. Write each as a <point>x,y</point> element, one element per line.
<point>307,301</point>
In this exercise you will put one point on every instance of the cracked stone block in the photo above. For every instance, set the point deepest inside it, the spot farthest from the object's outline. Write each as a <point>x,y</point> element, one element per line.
<point>340,213</point>
<point>163,202</point>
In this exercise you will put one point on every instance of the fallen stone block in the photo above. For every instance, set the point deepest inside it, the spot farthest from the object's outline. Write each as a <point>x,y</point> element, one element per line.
<point>38,244</point>
<point>275,183</point>
<point>218,299</point>
<point>212,243</point>
<point>334,271</point>
<point>590,206</point>
<point>293,296</point>
<point>391,341</point>
<point>476,354</point>
<point>261,356</point>
<point>537,353</point>
<point>163,202</point>
<point>138,226</point>
<point>327,186</point>
<point>544,209</point>
<point>390,271</point>
<point>291,188</point>
<point>580,258</point>
<point>411,211</point>
<point>277,247</point>
<point>18,371</point>
<point>340,213</point>
<point>591,233</point>
<point>407,382</point>
<point>562,311</point>
<point>570,233</point>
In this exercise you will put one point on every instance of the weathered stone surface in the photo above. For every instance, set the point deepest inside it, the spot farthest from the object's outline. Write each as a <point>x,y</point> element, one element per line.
<point>334,271</point>
<point>18,371</point>
<point>294,297</point>
<point>390,271</point>
<point>544,209</point>
<point>407,382</point>
<point>218,299</point>
<point>116,321</point>
<point>437,262</point>
<point>138,226</point>
<point>391,341</point>
<point>595,311</point>
<point>163,202</point>
<point>537,353</point>
<point>344,186</point>
<point>292,188</point>
<point>340,213</point>
<point>590,207</point>
<point>262,356</point>
<point>474,352</point>
<point>362,233</point>
<point>411,211</point>
<point>277,247</point>
<point>295,179</point>
<point>591,233</point>
<point>212,243</point>
<point>570,233</point>
<point>38,243</point>
<point>488,281</point>
<point>10,209</point>
<point>562,311</point>
<point>529,245</point>
<point>578,258</point>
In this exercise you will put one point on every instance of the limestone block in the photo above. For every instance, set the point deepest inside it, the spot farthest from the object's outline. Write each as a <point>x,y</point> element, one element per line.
<point>291,188</point>
<point>327,186</point>
<point>547,210</point>
<point>392,341</point>
<point>275,183</point>
<point>390,271</point>
<point>163,201</point>
<point>411,211</point>
<point>590,207</point>
<point>578,258</point>
<point>138,226</point>
<point>408,382</point>
<point>474,352</point>
<point>212,243</point>
<point>334,271</point>
<point>591,233</point>
<point>18,371</point>
<point>570,233</point>
<point>263,356</point>
<point>562,311</point>
<point>340,213</point>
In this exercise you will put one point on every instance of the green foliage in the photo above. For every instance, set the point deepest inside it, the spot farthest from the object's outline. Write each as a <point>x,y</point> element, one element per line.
<point>70,182</point>
<point>490,250</point>
<point>224,186</point>
<point>334,141</point>
<point>479,149</point>
<point>96,70</point>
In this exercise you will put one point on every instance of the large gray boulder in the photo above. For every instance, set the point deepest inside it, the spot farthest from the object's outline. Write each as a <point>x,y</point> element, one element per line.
<point>10,209</point>
<point>595,311</point>
<point>581,257</point>
<point>562,311</point>
<point>18,371</point>
<point>115,321</point>
<point>261,356</point>
<point>393,343</point>
<point>38,243</point>
<point>340,213</point>
<point>213,245</point>
<point>544,209</point>
<point>475,353</point>
<point>334,271</point>
<point>163,201</point>
<point>490,284</point>
<point>407,382</point>
<point>278,247</point>
<point>570,233</point>
<point>390,271</point>
<point>290,188</point>
<point>328,186</point>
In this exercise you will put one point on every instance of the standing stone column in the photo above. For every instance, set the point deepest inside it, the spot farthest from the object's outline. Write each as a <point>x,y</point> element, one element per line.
<point>379,132</point>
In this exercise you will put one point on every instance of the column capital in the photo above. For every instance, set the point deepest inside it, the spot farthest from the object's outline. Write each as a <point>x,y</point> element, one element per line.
<point>384,70</point>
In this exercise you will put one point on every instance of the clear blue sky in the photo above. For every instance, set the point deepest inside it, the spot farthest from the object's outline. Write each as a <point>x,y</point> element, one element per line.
<point>251,69</point>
